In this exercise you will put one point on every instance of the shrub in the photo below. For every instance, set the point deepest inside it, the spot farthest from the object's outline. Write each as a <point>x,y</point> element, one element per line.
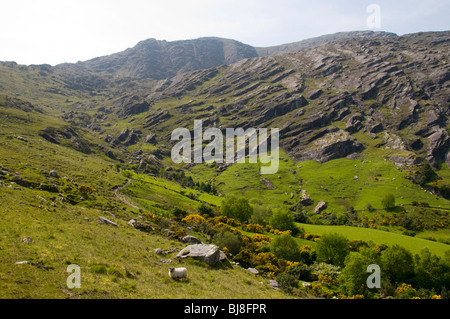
<point>261,215</point>
<point>307,254</point>
<point>287,282</point>
<point>397,263</point>
<point>285,247</point>
<point>179,213</point>
<point>283,220</point>
<point>237,208</point>
<point>205,210</point>
<point>254,228</point>
<point>332,248</point>
<point>193,219</point>
<point>353,277</point>
<point>388,201</point>
<point>229,240</point>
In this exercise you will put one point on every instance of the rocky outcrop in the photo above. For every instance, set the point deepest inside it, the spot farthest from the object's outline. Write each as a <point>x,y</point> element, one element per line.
<point>438,148</point>
<point>209,254</point>
<point>332,146</point>
<point>321,206</point>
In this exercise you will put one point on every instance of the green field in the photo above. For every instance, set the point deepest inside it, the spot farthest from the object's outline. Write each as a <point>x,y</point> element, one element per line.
<point>414,245</point>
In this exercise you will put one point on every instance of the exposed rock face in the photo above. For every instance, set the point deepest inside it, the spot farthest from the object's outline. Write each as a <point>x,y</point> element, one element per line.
<point>210,254</point>
<point>332,146</point>
<point>157,60</point>
<point>439,148</point>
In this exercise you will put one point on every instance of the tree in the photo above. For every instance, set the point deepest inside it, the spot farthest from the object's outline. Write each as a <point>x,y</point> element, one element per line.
<point>388,201</point>
<point>283,220</point>
<point>397,263</point>
<point>237,208</point>
<point>285,247</point>
<point>353,277</point>
<point>332,249</point>
<point>431,272</point>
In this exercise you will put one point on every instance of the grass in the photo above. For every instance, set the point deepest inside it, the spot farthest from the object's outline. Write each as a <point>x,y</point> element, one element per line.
<point>413,244</point>
<point>116,262</point>
<point>335,181</point>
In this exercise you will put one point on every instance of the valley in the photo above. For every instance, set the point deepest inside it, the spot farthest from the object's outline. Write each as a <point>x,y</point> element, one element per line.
<point>364,154</point>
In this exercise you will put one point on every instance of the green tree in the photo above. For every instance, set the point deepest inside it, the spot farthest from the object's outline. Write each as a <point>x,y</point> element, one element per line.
<point>397,264</point>
<point>237,208</point>
<point>283,220</point>
<point>353,277</point>
<point>388,201</point>
<point>431,272</point>
<point>332,249</point>
<point>285,247</point>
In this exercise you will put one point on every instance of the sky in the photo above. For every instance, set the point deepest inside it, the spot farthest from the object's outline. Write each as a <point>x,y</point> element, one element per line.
<point>57,31</point>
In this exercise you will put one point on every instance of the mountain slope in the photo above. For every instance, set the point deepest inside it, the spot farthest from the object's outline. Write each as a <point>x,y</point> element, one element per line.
<point>161,59</point>
<point>312,42</point>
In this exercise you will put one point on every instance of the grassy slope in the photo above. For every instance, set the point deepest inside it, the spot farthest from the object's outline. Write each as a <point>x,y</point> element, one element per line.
<point>63,233</point>
<point>66,235</point>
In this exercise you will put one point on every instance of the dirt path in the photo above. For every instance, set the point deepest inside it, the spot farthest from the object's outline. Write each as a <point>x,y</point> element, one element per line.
<point>122,198</point>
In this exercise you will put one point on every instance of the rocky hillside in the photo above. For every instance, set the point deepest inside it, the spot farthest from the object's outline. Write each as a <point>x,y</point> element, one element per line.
<point>330,101</point>
<point>155,59</point>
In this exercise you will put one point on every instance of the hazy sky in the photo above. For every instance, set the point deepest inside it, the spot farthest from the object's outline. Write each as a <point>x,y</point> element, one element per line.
<point>56,31</point>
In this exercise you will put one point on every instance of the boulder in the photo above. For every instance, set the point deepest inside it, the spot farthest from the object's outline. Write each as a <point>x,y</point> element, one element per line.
<point>54,174</point>
<point>253,271</point>
<point>273,284</point>
<point>320,207</point>
<point>223,256</point>
<point>191,239</point>
<point>209,254</point>
<point>107,221</point>
<point>27,240</point>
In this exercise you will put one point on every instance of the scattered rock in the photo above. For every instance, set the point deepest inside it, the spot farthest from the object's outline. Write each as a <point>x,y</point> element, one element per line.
<point>306,284</point>
<point>158,251</point>
<point>191,239</point>
<point>27,240</point>
<point>273,284</point>
<point>223,256</point>
<point>253,271</point>
<point>54,174</point>
<point>107,221</point>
